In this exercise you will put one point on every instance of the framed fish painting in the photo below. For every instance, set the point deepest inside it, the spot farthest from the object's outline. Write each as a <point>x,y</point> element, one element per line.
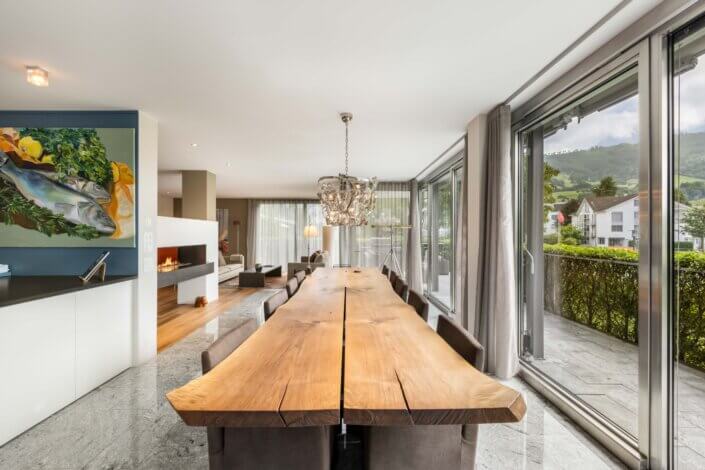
<point>67,187</point>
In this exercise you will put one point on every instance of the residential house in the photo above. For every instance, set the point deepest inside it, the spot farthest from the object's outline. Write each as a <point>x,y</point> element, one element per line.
<point>614,221</point>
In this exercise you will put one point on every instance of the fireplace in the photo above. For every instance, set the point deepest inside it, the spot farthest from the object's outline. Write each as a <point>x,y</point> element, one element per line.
<point>177,264</point>
<point>176,257</point>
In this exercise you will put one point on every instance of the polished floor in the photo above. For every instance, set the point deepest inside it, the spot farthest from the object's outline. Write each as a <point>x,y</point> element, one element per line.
<point>603,371</point>
<point>175,321</point>
<point>128,424</point>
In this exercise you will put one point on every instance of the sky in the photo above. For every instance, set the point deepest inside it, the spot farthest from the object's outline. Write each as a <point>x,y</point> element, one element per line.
<point>620,123</point>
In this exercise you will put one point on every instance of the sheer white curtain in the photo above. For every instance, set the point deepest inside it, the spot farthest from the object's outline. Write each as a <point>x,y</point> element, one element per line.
<point>369,245</point>
<point>279,230</point>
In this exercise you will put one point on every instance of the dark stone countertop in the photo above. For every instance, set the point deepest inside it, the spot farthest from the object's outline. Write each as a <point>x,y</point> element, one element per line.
<point>19,289</point>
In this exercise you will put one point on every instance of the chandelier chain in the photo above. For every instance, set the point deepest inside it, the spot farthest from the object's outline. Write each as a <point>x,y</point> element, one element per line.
<point>346,148</point>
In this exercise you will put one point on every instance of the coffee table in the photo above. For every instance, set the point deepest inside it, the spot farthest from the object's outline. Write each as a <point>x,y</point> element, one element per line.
<point>252,278</point>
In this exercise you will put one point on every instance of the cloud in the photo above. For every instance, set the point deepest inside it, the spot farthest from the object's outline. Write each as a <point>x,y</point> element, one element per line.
<point>614,125</point>
<point>620,123</point>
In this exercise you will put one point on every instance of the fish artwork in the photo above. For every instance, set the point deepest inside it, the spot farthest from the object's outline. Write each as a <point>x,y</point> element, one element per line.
<point>82,185</point>
<point>75,206</point>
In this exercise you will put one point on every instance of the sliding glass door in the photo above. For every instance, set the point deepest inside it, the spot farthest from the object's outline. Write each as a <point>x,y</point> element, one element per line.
<point>580,186</point>
<point>688,255</point>
<point>439,203</point>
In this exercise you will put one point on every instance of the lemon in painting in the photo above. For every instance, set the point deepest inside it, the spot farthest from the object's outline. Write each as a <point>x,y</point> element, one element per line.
<point>30,147</point>
<point>48,159</point>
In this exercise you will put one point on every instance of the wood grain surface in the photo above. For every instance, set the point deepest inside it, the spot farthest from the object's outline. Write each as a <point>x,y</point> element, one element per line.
<point>396,370</point>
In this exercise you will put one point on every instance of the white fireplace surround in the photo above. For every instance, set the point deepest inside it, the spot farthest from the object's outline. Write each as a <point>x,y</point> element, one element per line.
<point>172,231</point>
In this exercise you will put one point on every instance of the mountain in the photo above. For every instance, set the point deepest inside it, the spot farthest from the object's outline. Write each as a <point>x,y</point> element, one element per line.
<point>621,162</point>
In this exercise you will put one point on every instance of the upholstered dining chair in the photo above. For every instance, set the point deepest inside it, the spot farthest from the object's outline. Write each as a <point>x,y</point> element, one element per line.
<point>420,304</point>
<point>300,276</point>
<point>292,285</point>
<point>210,358</point>
<point>393,276</point>
<point>401,288</point>
<point>472,351</point>
<point>271,305</point>
<point>385,271</point>
<point>304,448</point>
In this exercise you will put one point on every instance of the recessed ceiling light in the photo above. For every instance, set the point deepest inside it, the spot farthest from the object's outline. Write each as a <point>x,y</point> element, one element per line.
<point>228,164</point>
<point>194,145</point>
<point>37,76</point>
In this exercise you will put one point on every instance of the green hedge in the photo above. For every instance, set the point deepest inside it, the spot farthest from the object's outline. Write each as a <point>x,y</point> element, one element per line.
<point>598,287</point>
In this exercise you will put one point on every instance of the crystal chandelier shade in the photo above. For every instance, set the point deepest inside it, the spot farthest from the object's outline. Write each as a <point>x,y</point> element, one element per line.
<point>345,199</point>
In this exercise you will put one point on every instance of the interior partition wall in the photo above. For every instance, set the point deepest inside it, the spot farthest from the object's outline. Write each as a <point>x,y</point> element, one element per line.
<point>610,203</point>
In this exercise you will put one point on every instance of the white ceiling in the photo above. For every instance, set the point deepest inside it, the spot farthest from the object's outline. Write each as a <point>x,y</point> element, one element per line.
<point>258,85</point>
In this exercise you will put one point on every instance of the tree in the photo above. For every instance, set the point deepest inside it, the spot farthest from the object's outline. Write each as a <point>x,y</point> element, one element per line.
<point>679,196</point>
<point>571,235</point>
<point>694,222</point>
<point>607,187</point>
<point>548,198</point>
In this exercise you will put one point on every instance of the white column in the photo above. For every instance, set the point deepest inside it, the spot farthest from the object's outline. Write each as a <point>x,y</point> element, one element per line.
<point>144,325</point>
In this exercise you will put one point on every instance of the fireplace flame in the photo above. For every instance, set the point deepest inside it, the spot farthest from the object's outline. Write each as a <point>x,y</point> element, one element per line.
<point>169,264</point>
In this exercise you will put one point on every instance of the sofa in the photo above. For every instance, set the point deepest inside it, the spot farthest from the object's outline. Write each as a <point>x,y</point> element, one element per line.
<point>318,259</point>
<point>231,267</point>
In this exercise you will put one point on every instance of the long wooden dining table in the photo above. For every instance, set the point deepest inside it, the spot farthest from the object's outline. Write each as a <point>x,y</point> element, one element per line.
<point>345,346</point>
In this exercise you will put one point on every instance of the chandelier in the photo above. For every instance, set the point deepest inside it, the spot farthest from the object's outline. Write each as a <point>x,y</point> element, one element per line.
<point>346,200</point>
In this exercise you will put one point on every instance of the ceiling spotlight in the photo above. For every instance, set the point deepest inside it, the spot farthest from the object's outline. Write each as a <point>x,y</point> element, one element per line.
<point>37,76</point>
<point>194,145</point>
<point>228,164</point>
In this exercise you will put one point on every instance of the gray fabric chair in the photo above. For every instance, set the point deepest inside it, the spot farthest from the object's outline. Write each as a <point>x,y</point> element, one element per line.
<point>393,276</point>
<point>461,341</point>
<point>420,304</point>
<point>296,448</point>
<point>262,448</point>
<point>300,276</point>
<point>472,351</point>
<point>401,288</point>
<point>412,447</point>
<point>271,305</point>
<point>385,271</point>
<point>292,285</point>
<point>210,358</point>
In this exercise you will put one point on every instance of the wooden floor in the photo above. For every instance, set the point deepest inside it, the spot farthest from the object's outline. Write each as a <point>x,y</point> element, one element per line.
<point>176,321</point>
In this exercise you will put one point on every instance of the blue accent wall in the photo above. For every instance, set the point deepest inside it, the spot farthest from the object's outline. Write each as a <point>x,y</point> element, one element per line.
<point>72,261</point>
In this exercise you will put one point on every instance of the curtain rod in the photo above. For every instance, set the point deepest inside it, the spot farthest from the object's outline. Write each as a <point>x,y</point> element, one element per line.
<point>438,158</point>
<point>610,14</point>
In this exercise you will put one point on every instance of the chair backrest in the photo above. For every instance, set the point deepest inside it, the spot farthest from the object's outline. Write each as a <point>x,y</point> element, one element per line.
<point>393,276</point>
<point>300,275</point>
<point>420,304</point>
<point>385,271</point>
<point>226,344</point>
<point>210,358</point>
<point>463,342</point>
<point>312,258</point>
<point>274,302</point>
<point>292,285</point>
<point>401,288</point>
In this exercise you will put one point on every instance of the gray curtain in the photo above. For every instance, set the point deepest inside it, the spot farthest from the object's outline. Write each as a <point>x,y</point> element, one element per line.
<point>496,317</point>
<point>414,268</point>
<point>251,233</point>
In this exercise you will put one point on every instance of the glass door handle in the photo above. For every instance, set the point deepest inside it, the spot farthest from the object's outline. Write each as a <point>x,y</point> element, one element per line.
<point>531,258</point>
